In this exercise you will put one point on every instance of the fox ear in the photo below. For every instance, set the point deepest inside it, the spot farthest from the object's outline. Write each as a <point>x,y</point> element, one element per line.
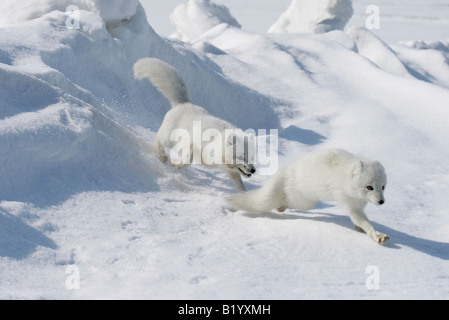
<point>358,167</point>
<point>378,164</point>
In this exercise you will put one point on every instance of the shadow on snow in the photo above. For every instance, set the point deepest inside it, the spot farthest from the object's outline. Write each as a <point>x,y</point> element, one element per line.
<point>431,247</point>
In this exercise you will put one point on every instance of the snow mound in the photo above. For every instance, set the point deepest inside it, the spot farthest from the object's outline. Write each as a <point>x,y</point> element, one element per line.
<point>111,11</point>
<point>423,60</point>
<point>430,59</point>
<point>314,16</point>
<point>377,51</point>
<point>67,148</point>
<point>195,17</point>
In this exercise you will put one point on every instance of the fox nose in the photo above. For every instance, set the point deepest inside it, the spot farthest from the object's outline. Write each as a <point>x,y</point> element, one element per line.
<point>253,170</point>
<point>381,202</point>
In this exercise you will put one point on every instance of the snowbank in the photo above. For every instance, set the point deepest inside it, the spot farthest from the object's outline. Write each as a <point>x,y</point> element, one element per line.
<point>426,61</point>
<point>429,59</point>
<point>195,17</point>
<point>313,16</point>
<point>67,148</point>
<point>111,11</point>
<point>377,51</point>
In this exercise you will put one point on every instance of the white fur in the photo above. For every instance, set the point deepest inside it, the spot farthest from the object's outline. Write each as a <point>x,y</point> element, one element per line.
<point>183,115</point>
<point>330,175</point>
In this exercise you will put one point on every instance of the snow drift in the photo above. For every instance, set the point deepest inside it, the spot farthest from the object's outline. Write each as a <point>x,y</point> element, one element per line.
<point>195,17</point>
<point>111,11</point>
<point>428,58</point>
<point>314,16</point>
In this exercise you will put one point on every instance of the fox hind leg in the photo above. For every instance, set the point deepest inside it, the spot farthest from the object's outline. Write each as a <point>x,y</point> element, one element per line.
<point>160,152</point>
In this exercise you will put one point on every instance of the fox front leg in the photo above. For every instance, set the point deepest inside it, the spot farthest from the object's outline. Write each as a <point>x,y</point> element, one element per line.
<point>362,224</point>
<point>237,180</point>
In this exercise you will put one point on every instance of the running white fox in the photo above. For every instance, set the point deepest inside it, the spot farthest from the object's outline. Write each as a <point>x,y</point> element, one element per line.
<point>330,175</point>
<point>233,156</point>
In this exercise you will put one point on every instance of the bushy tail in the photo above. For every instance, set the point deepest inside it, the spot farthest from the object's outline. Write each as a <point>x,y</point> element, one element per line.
<point>164,77</point>
<point>270,196</point>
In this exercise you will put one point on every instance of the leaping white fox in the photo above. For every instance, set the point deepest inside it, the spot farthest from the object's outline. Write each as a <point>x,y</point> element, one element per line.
<point>184,115</point>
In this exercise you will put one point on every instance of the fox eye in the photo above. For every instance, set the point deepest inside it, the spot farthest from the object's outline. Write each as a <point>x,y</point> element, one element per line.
<point>383,187</point>
<point>370,188</point>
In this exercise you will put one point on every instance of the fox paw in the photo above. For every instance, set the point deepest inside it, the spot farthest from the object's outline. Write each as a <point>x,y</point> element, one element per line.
<point>382,238</point>
<point>178,166</point>
<point>162,157</point>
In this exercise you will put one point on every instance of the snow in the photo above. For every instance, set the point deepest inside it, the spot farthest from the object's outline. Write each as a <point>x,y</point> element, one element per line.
<point>313,16</point>
<point>399,20</point>
<point>377,51</point>
<point>15,12</point>
<point>195,17</point>
<point>83,194</point>
<point>428,58</point>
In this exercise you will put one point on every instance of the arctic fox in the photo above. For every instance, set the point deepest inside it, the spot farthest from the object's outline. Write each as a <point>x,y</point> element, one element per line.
<point>228,149</point>
<point>330,175</point>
